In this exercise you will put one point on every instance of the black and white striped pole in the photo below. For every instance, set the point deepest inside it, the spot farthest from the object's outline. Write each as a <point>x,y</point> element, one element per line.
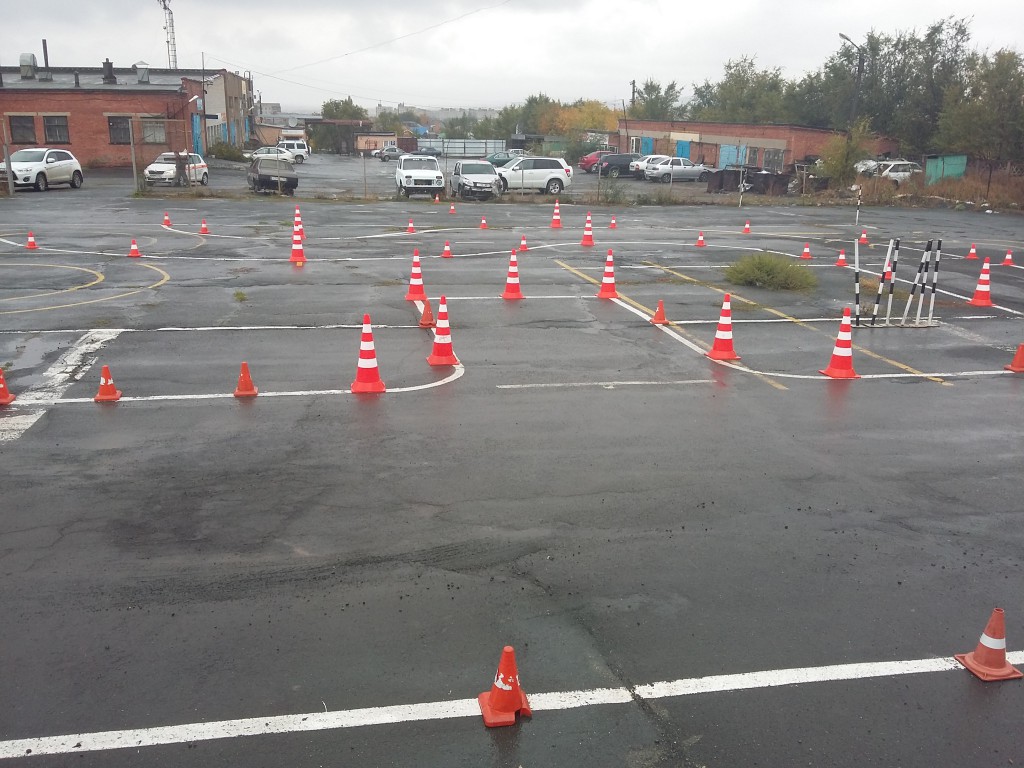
<point>892,280</point>
<point>881,283</point>
<point>917,281</point>
<point>856,282</point>
<point>924,283</point>
<point>935,282</point>
<point>858,206</point>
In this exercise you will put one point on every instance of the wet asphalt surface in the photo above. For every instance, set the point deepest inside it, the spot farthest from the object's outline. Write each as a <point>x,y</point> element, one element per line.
<point>591,490</point>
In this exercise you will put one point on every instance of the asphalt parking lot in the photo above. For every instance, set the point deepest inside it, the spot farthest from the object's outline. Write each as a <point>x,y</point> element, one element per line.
<point>698,564</point>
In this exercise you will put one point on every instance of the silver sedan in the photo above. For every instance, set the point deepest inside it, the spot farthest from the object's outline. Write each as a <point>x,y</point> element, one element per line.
<point>676,169</point>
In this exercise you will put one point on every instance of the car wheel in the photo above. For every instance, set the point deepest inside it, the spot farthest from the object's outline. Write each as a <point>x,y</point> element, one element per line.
<point>666,178</point>
<point>462,192</point>
<point>703,176</point>
<point>402,191</point>
<point>614,172</point>
<point>76,180</point>
<point>554,187</point>
<point>205,180</point>
<point>298,159</point>
<point>41,183</point>
<point>504,184</point>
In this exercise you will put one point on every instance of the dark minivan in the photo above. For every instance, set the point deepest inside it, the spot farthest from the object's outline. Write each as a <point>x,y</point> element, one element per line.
<point>616,165</point>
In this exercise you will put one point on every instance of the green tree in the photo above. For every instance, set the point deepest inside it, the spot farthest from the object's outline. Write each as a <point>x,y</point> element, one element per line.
<point>344,110</point>
<point>463,127</point>
<point>656,103</point>
<point>388,121</point>
<point>841,152</point>
<point>745,94</point>
<point>335,137</point>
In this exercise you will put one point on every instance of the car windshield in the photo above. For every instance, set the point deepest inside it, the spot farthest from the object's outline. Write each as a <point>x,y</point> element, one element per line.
<point>27,156</point>
<point>419,165</point>
<point>167,157</point>
<point>485,168</point>
<point>274,166</point>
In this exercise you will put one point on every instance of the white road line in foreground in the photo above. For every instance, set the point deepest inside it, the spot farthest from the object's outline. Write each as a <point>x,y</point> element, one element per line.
<point>461,708</point>
<point>605,384</point>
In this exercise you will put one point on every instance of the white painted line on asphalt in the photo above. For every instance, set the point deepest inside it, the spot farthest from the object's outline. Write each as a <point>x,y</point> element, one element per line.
<point>946,375</point>
<point>604,384</point>
<point>464,708</point>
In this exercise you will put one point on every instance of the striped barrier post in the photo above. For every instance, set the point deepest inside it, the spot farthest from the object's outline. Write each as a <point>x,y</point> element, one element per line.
<point>925,283</point>
<point>881,282</point>
<point>917,281</point>
<point>935,282</point>
<point>856,283</point>
<point>892,280</point>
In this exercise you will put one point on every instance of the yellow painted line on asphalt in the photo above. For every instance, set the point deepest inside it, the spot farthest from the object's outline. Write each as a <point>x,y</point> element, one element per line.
<point>99,279</point>
<point>797,321</point>
<point>164,277</point>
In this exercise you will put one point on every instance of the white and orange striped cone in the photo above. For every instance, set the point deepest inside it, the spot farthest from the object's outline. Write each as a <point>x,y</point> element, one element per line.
<point>367,379</point>
<point>451,210</point>
<point>483,223</point>
<point>167,219</point>
<point>807,252</point>
<point>410,229</point>
<point>133,252</point>
<point>841,365</point>
<point>513,291</point>
<point>437,198</point>
<point>700,240</point>
<point>427,318</point>
<point>107,393</point>
<point>203,229</point>
<point>298,223</point>
<point>245,386</point>
<point>863,237</point>
<point>416,292</point>
<point>6,396</point>
<point>522,244</point>
<point>746,228</point>
<point>722,348</point>
<point>298,252</point>
<point>31,243</point>
<point>988,660</point>
<point>588,232</point>
<point>613,224</point>
<point>1008,259</point>
<point>973,253</point>
<point>1017,364</point>
<point>983,292</point>
<point>447,252</point>
<point>500,705</point>
<point>556,218</point>
<point>659,314</point>
<point>608,281</point>
<point>442,354</point>
<point>841,261</point>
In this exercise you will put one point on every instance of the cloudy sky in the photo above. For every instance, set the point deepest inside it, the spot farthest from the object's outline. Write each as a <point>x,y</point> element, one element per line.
<point>477,53</point>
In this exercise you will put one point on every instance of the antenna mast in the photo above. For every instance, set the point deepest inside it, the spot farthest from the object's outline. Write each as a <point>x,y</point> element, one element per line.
<point>172,51</point>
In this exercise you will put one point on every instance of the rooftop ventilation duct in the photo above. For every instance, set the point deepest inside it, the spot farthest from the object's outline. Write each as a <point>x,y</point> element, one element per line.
<point>142,70</point>
<point>108,73</point>
<point>28,66</point>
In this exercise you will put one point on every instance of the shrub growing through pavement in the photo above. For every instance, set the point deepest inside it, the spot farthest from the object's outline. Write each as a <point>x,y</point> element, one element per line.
<point>766,270</point>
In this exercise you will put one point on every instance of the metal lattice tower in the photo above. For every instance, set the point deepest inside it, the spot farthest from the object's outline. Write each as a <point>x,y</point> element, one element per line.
<point>172,51</point>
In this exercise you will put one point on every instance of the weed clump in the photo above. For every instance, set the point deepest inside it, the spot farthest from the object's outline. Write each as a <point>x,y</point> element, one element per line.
<point>767,270</point>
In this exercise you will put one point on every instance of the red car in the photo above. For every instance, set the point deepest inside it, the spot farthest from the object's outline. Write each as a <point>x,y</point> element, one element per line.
<point>589,162</point>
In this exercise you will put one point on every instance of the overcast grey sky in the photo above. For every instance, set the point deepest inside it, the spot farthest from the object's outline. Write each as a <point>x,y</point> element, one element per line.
<point>475,53</point>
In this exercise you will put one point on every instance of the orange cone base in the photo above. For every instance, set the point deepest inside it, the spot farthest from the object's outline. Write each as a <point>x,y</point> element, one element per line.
<point>659,314</point>
<point>252,392</point>
<point>839,373</point>
<point>716,354</point>
<point>513,295</point>
<point>108,397</point>
<point>1007,672</point>
<point>416,296</point>
<point>496,719</point>
<point>442,360</point>
<point>1017,365</point>
<point>607,293</point>
<point>984,301</point>
<point>7,399</point>
<point>367,387</point>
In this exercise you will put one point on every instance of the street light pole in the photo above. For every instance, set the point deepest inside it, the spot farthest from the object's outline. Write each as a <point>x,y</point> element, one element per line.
<point>860,77</point>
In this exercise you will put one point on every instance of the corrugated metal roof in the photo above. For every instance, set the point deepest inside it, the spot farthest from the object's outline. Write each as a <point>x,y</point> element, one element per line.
<point>91,78</point>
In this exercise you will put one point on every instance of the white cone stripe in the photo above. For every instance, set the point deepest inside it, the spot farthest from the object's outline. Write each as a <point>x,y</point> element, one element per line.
<point>367,363</point>
<point>995,643</point>
<point>439,339</point>
<point>365,346</point>
<point>840,352</point>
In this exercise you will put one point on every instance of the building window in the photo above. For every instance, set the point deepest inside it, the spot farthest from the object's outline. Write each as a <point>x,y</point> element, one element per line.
<point>23,129</point>
<point>752,155</point>
<point>55,128</point>
<point>154,131</point>
<point>120,130</point>
<point>773,160</point>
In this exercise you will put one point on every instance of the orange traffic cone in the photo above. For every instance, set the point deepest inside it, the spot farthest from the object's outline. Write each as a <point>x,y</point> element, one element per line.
<point>31,244</point>
<point>298,223</point>
<point>416,291</point>
<point>973,253</point>
<point>6,396</point>
<point>167,219</point>
<point>500,704</point>
<point>427,318</point>
<point>483,223</point>
<point>522,244</point>
<point>841,365</point>
<point>1017,364</point>
<point>451,210</point>
<point>988,660</point>
<point>983,292</point>
<point>841,261</point>
<point>410,229</point>
<point>512,289</point>
<point>367,375</point>
<point>437,198</point>
<point>863,237</point>
<point>613,225</point>
<point>298,253</point>
<point>588,232</point>
<point>1008,259</point>
<point>659,314</point>
<point>203,229</point>
<point>133,252</point>
<point>107,393</point>
<point>722,349</point>
<point>700,240</point>
<point>442,354</point>
<point>245,387</point>
<point>556,218</point>
<point>608,281</point>
<point>447,252</point>
<point>807,251</point>
<point>746,228</point>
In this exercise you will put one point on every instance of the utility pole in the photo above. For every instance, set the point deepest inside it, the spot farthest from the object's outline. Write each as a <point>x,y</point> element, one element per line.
<point>632,99</point>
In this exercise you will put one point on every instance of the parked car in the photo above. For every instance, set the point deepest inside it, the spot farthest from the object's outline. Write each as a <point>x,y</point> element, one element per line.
<point>616,165</point>
<point>640,166</point>
<point>474,179</point>
<point>164,170</point>
<point>267,174</point>
<point>898,171</point>
<point>275,153</point>
<point>300,149</point>
<point>391,152</point>
<point>677,169</point>
<point>419,174</point>
<point>498,159</point>
<point>41,167</point>
<point>431,151</point>
<point>546,174</point>
<point>589,162</point>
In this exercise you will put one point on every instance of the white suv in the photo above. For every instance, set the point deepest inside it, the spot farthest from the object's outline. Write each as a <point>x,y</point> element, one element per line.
<point>42,167</point>
<point>298,148</point>
<point>547,174</point>
<point>419,173</point>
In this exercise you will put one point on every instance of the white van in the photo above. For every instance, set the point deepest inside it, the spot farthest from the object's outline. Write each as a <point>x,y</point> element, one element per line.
<point>419,174</point>
<point>298,148</point>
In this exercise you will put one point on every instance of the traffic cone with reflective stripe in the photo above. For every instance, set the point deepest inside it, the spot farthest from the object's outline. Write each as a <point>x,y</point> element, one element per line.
<point>608,281</point>
<point>722,349</point>
<point>245,387</point>
<point>437,198</point>
<point>988,660</point>
<point>410,229</point>
<point>500,705</point>
<point>588,232</point>
<point>203,229</point>
<point>1017,364</point>
<point>659,314</point>
<point>298,252</point>
<point>1008,259</point>
<point>107,393</point>
<point>447,252</point>
<point>700,240</point>
<point>442,354</point>
<point>427,318</point>
<point>367,375</point>
<point>6,396</point>
<point>983,292</point>
<point>556,218</point>
<point>746,228</point>
<point>31,244</point>
<point>841,365</point>
<point>133,252</point>
<point>483,223</point>
<point>973,253</point>
<point>807,251</point>
<point>841,261</point>
<point>415,292</point>
<point>512,288</point>
<point>613,225</point>
<point>167,219</point>
<point>522,244</point>
<point>451,210</point>
<point>298,223</point>
<point>863,237</point>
